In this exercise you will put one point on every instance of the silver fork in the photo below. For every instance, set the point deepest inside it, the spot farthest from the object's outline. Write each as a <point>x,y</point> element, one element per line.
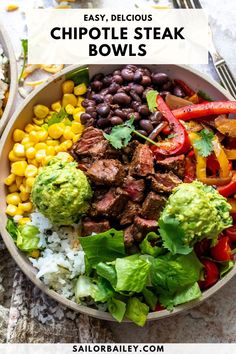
<point>225,75</point>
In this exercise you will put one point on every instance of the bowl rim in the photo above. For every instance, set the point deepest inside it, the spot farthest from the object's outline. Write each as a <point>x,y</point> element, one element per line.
<point>13,86</point>
<point>27,267</point>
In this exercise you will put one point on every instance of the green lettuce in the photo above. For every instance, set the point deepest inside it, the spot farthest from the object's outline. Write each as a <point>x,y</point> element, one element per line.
<point>103,247</point>
<point>100,290</point>
<point>12,229</point>
<point>108,272</point>
<point>152,245</point>
<point>182,296</point>
<point>137,311</point>
<point>117,309</point>
<point>150,298</point>
<point>27,239</point>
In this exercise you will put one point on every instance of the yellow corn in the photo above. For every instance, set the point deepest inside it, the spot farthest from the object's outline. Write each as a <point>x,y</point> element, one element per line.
<point>41,111</point>
<point>40,146</point>
<point>46,159</point>
<point>10,179</point>
<point>13,188</point>
<point>22,188</point>
<point>11,210</point>
<point>33,162</point>
<point>26,206</point>
<point>77,127</point>
<point>18,135</point>
<point>69,98</point>
<point>66,145</point>
<point>69,109</point>
<point>19,150</point>
<point>13,158</point>
<point>18,168</point>
<point>30,153</point>
<point>34,254</point>
<point>77,114</point>
<point>24,221</point>
<point>43,135</point>
<point>52,142</point>
<point>80,89</point>
<point>68,86</point>
<point>19,181</point>
<point>34,136</point>
<point>40,154</point>
<point>68,134</point>
<point>30,182</point>
<point>76,137</point>
<point>55,131</point>
<point>51,150</point>
<point>29,128</point>
<point>64,156</point>
<point>31,170</point>
<point>79,101</point>
<point>38,121</point>
<point>19,211</point>
<point>28,145</point>
<point>26,140</point>
<point>24,196</point>
<point>11,8</point>
<point>13,198</point>
<point>56,106</point>
<point>37,128</point>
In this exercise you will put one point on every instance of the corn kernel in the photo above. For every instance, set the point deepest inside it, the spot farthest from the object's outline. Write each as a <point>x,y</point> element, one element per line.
<point>43,135</point>
<point>22,188</point>
<point>13,188</point>
<point>55,131</point>
<point>52,142</point>
<point>69,98</point>
<point>69,109</point>
<point>77,127</point>
<point>19,181</point>
<point>24,221</point>
<point>40,146</point>
<point>26,206</point>
<point>26,140</point>
<point>30,153</point>
<point>46,159</point>
<point>19,150</point>
<point>76,137</point>
<point>56,106</point>
<point>77,114</point>
<point>28,145</point>
<point>13,198</point>
<point>51,150</point>
<point>41,111</point>
<point>37,128</point>
<point>10,179</point>
<point>38,121</point>
<point>18,168</point>
<point>40,169</point>
<point>13,158</point>
<point>68,86</point>
<point>24,196</point>
<point>33,162</point>
<point>34,136</point>
<point>34,254</point>
<point>19,211</point>
<point>11,210</point>
<point>68,134</point>
<point>31,170</point>
<point>29,128</point>
<point>11,8</point>
<point>30,182</point>
<point>18,135</point>
<point>64,156</point>
<point>59,149</point>
<point>80,89</point>
<point>80,100</point>
<point>40,154</point>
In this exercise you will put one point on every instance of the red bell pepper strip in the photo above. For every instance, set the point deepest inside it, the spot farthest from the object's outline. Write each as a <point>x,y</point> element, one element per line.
<point>205,109</point>
<point>211,274</point>
<point>177,145</point>
<point>188,91</point>
<point>228,190</point>
<point>190,168</point>
<point>231,233</point>
<point>222,250</point>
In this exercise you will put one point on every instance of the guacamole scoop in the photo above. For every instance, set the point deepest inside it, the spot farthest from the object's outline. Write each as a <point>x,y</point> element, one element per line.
<point>194,211</point>
<point>61,192</point>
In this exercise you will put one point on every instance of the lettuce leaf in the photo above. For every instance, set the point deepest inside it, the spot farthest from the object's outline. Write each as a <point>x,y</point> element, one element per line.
<point>108,272</point>
<point>182,296</point>
<point>100,289</point>
<point>151,245</point>
<point>137,311</point>
<point>150,298</point>
<point>12,229</point>
<point>27,238</point>
<point>103,247</point>
<point>117,309</point>
<point>132,273</point>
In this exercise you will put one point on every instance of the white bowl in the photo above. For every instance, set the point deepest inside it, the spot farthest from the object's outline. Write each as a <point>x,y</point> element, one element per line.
<point>50,92</point>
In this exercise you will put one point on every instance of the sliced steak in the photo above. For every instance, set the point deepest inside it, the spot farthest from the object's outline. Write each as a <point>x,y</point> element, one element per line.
<point>175,164</point>
<point>135,188</point>
<point>131,210</point>
<point>142,161</point>
<point>111,204</point>
<point>128,151</point>
<point>145,225</point>
<point>129,234</point>
<point>152,206</point>
<point>106,172</point>
<point>90,226</point>
<point>164,182</point>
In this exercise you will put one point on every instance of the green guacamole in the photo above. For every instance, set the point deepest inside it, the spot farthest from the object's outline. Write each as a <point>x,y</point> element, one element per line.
<point>61,192</point>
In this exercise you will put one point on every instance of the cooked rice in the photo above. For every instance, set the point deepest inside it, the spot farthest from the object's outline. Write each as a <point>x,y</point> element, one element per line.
<point>3,75</point>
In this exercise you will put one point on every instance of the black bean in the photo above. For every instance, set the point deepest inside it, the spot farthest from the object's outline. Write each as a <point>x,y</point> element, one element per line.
<point>87,103</point>
<point>98,77</point>
<point>135,96</point>
<point>146,125</point>
<point>131,67</point>
<point>137,76</point>
<point>107,130</point>
<point>90,109</point>
<point>134,115</point>
<point>138,89</point>
<point>163,94</point>
<point>127,74</point>
<point>146,71</point>
<point>84,117</point>
<point>146,91</point>
<point>135,105</point>
<point>116,72</point>
<point>126,88</point>
<point>96,85</point>
<point>121,99</point>
<point>107,80</point>
<point>120,113</point>
<point>103,109</point>
<point>116,120</point>
<point>103,122</point>
<point>113,88</point>
<point>143,110</point>
<point>178,91</point>
<point>146,80</point>
<point>97,98</point>
<point>143,132</point>
<point>159,78</point>
<point>118,79</point>
<point>167,86</point>
<point>108,98</point>
<point>128,110</point>
<point>155,117</point>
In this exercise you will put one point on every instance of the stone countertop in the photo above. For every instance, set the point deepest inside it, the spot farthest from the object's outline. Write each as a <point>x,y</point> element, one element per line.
<point>214,320</point>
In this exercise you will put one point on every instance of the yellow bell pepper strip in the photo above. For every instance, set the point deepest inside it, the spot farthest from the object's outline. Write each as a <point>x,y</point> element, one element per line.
<point>205,109</point>
<point>221,157</point>
<point>226,126</point>
<point>230,153</point>
<point>200,160</point>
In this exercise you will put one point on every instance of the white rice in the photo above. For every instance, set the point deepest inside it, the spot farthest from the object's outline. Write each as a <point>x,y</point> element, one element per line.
<point>62,258</point>
<point>3,75</point>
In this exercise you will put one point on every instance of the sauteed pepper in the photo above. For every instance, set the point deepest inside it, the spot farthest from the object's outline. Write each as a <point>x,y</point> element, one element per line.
<point>177,145</point>
<point>205,109</point>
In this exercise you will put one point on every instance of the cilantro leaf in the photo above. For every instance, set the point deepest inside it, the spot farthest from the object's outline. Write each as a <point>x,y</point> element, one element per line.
<point>204,144</point>
<point>204,95</point>
<point>151,100</point>
<point>58,117</point>
<point>79,76</point>
<point>121,134</point>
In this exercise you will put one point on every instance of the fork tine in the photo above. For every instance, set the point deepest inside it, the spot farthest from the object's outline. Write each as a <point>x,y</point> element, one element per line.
<point>197,4</point>
<point>190,4</point>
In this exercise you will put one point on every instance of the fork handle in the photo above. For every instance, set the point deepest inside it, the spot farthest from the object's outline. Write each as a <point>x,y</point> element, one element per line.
<point>226,76</point>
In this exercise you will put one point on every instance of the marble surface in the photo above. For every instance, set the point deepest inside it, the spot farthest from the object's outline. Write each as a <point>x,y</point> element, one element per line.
<point>215,319</point>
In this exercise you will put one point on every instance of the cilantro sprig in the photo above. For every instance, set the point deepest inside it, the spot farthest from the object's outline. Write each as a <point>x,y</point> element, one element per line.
<point>24,44</point>
<point>204,145</point>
